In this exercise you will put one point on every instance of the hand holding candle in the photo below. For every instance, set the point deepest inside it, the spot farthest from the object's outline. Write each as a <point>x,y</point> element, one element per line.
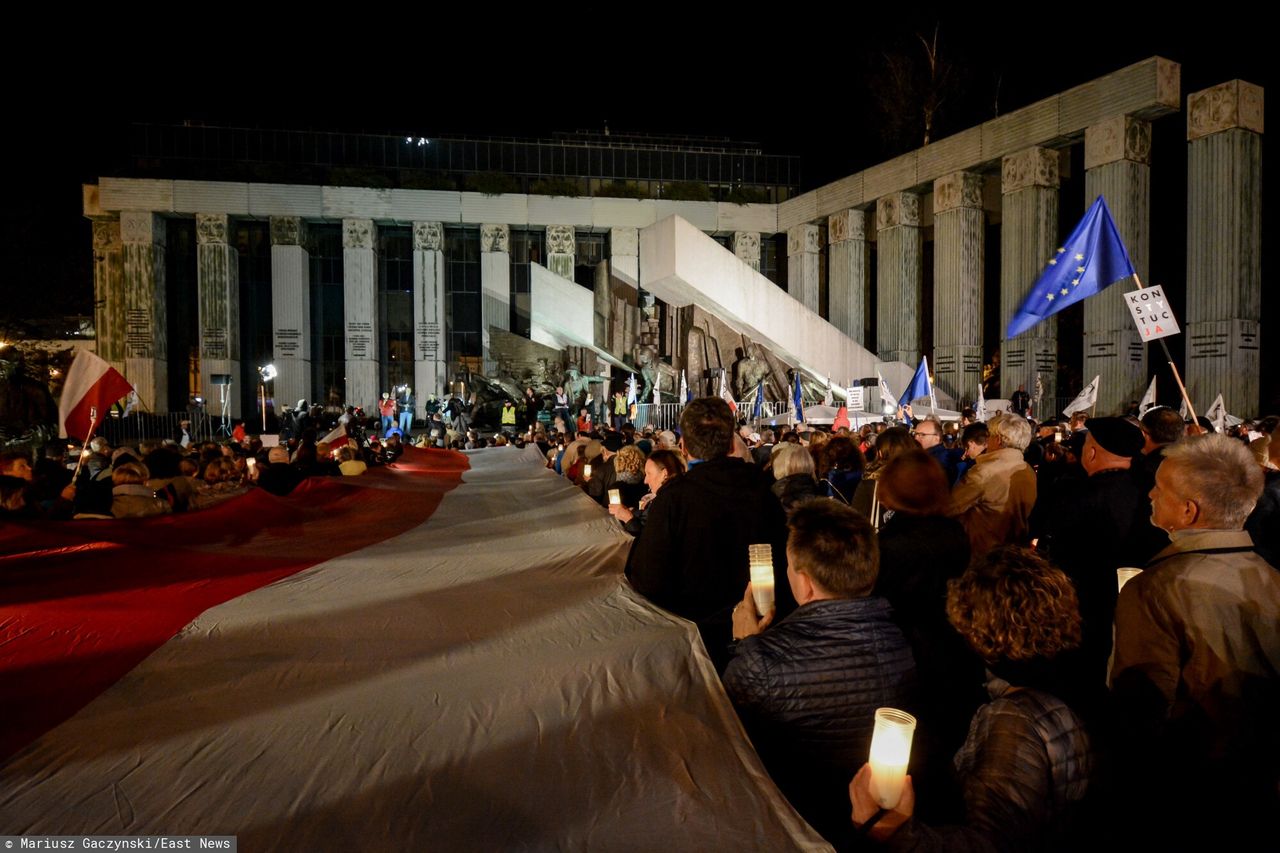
<point>890,752</point>
<point>615,497</point>
<point>586,472</point>
<point>760,557</point>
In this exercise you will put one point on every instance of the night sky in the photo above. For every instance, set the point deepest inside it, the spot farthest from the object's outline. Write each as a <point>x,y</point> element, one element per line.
<point>814,97</point>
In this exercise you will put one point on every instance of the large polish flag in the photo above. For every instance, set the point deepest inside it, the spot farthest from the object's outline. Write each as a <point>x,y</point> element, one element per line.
<point>91,384</point>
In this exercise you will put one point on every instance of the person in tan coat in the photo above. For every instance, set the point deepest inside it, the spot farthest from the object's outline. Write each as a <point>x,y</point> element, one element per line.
<point>994,500</point>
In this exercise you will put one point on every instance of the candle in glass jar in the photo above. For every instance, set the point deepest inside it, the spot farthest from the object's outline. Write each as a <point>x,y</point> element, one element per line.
<point>1123,576</point>
<point>890,751</point>
<point>760,558</point>
<point>586,472</point>
<point>615,497</point>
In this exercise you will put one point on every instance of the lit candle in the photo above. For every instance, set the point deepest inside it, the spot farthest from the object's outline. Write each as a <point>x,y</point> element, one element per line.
<point>760,557</point>
<point>890,751</point>
<point>586,472</point>
<point>1123,576</point>
<point>615,497</point>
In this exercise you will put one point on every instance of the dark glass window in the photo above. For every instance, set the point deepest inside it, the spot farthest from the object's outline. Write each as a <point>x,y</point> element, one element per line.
<point>328,336</point>
<point>395,306</point>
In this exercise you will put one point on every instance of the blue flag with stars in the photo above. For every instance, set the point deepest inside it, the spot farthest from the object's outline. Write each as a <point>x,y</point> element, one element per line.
<point>1092,259</point>
<point>797,401</point>
<point>758,409</point>
<point>919,386</point>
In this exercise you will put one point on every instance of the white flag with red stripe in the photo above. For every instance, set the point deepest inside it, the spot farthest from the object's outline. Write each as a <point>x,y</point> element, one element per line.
<point>91,384</point>
<point>726,396</point>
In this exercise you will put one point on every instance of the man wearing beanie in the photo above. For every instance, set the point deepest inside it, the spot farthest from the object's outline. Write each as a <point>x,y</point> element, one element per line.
<point>1102,524</point>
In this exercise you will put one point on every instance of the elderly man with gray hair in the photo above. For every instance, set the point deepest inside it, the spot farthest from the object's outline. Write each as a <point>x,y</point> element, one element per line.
<point>1197,650</point>
<point>995,498</point>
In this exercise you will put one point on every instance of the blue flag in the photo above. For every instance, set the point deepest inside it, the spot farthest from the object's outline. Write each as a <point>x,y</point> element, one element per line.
<point>758,409</point>
<point>919,385</point>
<point>797,401</point>
<point>1093,258</point>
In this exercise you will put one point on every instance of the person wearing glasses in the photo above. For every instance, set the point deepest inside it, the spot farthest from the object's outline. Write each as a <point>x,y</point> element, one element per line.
<point>928,434</point>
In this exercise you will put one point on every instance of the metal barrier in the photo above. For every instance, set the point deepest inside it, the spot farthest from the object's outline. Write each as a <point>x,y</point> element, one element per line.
<point>158,426</point>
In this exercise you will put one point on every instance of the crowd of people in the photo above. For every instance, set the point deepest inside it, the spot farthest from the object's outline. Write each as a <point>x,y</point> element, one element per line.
<point>970,573</point>
<point>1083,616</point>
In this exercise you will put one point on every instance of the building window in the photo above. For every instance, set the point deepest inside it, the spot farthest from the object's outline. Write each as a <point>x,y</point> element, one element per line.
<point>253,242</point>
<point>328,341</point>
<point>462,297</point>
<point>591,249</point>
<point>395,307</point>
<point>528,245</point>
<point>771,248</point>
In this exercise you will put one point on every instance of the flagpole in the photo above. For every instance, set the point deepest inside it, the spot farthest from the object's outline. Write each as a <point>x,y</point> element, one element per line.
<point>1177,376</point>
<point>93,424</point>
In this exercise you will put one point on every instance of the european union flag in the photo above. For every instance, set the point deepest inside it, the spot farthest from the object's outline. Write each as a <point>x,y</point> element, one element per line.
<point>1093,258</point>
<point>919,386</point>
<point>797,401</point>
<point>758,409</point>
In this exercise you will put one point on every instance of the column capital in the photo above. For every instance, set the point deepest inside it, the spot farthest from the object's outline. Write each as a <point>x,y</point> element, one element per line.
<point>624,241</point>
<point>804,238</point>
<point>900,208</point>
<point>561,240</point>
<point>212,228</point>
<point>106,234</point>
<point>848,224</point>
<point>288,231</point>
<point>428,236</point>
<point>495,238</point>
<point>746,246</point>
<point>1030,167</point>
<point>1230,105</point>
<point>959,189</point>
<point>141,226</point>
<point>358,234</point>
<point>1115,139</point>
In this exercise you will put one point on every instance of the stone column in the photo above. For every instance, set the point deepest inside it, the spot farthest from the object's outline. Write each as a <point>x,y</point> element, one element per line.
<point>804,246</point>
<point>899,250</point>
<point>108,292</point>
<point>1117,162</point>
<point>746,248</point>
<point>430,372</point>
<point>1029,183</point>
<point>624,254</point>
<point>290,310</point>
<point>146,354</point>
<point>218,286</point>
<point>850,267</point>
<point>360,304</point>
<point>495,286</point>
<point>562,244</point>
<point>958,257</point>
<point>1224,246</point>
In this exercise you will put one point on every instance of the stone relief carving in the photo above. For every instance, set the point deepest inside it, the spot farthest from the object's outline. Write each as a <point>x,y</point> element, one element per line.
<point>495,238</point>
<point>212,228</point>
<point>1230,105</point>
<point>746,245</point>
<point>848,224</point>
<point>357,234</point>
<point>1115,139</point>
<point>897,209</point>
<point>288,231</point>
<point>428,236</point>
<point>959,189</point>
<point>106,234</point>
<point>561,240</point>
<point>804,238</point>
<point>141,226</point>
<point>1031,167</point>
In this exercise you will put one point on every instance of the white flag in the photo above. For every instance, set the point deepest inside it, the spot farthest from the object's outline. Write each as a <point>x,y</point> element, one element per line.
<point>725,395</point>
<point>933,397</point>
<point>1087,399</point>
<point>1182,409</point>
<point>828,399</point>
<point>1039,394</point>
<point>886,396</point>
<point>1148,399</point>
<point>657,395</point>
<point>684,389</point>
<point>1217,415</point>
<point>980,408</point>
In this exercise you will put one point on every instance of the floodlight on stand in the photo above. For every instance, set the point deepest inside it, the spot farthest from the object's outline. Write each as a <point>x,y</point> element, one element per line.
<point>268,372</point>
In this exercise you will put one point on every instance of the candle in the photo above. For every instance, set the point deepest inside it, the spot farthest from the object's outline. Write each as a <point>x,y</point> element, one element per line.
<point>586,472</point>
<point>1123,576</point>
<point>890,751</point>
<point>760,557</point>
<point>615,497</point>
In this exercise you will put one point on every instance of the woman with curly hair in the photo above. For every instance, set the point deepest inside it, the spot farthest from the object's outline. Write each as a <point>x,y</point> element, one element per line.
<point>889,443</point>
<point>1025,765</point>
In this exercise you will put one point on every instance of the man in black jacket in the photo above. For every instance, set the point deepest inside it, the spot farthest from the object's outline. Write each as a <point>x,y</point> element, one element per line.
<point>691,557</point>
<point>807,689</point>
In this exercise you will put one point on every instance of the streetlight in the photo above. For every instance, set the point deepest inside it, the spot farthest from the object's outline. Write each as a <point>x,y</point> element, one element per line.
<point>267,372</point>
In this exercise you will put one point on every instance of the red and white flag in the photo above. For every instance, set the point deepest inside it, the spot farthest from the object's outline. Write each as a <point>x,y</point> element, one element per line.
<point>91,384</point>
<point>726,396</point>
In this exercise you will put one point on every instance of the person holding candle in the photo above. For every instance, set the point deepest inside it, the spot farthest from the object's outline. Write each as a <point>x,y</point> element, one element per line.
<point>662,466</point>
<point>1025,766</point>
<point>808,687</point>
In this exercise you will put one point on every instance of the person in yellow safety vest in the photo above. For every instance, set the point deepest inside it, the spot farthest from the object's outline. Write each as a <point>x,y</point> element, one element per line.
<point>508,414</point>
<point>619,410</point>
